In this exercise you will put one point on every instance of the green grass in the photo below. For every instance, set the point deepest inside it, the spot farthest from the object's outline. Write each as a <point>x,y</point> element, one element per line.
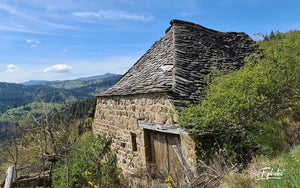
<point>288,163</point>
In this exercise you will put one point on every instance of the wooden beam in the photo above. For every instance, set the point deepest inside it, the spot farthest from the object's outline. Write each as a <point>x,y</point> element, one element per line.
<point>185,166</point>
<point>9,177</point>
<point>164,128</point>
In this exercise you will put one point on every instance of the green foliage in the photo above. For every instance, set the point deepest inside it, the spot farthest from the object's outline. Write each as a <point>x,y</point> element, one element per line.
<point>91,162</point>
<point>15,95</point>
<point>91,87</point>
<point>20,115</point>
<point>16,100</point>
<point>55,128</point>
<point>287,164</point>
<point>250,109</point>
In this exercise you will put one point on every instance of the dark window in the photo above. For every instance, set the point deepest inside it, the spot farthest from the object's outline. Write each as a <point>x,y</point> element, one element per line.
<point>133,141</point>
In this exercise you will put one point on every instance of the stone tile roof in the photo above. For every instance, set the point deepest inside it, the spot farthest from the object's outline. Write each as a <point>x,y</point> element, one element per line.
<point>178,62</point>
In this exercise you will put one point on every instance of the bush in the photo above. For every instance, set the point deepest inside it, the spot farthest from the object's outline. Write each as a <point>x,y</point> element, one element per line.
<point>91,164</point>
<point>249,110</point>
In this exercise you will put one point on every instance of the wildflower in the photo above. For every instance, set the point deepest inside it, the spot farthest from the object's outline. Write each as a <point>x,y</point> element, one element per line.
<point>169,185</point>
<point>298,160</point>
<point>280,122</point>
<point>87,173</point>
<point>293,156</point>
<point>90,183</point>
<point>290,109</point>
<point>169,178</point>
<point>95,186</point>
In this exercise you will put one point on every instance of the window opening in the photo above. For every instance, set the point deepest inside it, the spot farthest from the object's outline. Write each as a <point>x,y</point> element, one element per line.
<point>133,141</point>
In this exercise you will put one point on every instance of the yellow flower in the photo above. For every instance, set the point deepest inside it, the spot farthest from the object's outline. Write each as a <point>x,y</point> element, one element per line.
<point>95,186</point>
<point>280,122</point>
<point>169,185</point>
<point>87,173</point>
<point>169,178</point>
<point>90,183</point>
<point>293,156</point>
<point>298,160</point>
<point>290,109</point>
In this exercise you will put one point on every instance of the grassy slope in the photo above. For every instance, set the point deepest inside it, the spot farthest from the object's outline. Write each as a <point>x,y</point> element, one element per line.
<point>288,163</point>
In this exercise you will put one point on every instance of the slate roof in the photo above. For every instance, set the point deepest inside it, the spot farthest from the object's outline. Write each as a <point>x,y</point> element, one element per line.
<point>178,62</point>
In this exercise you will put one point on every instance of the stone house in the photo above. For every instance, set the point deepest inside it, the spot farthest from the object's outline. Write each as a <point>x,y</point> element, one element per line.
<point>139,111</point>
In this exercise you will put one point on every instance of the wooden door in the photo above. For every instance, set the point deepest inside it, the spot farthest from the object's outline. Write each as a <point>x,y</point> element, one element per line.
<point>160,153</point>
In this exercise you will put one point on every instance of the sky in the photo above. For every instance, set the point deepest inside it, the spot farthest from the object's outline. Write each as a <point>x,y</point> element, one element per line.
<point>69,39</point>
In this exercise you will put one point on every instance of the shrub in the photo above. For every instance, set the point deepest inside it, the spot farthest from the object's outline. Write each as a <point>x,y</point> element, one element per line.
<point>249,110</point>
<point>91,164</point>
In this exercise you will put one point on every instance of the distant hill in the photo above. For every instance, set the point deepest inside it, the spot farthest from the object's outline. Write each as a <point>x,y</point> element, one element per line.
<point>67,84</point>
<point>34,82</point>
<point>99,77</point>
<point>18,101</point>
<point>15,95</point>
<point>87,85</point>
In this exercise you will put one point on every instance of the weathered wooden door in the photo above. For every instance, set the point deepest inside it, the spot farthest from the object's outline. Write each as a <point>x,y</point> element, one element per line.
<point>160,152</point>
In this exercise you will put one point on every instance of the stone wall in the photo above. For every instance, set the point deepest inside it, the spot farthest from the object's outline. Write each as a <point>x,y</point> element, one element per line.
<point>117,117</point>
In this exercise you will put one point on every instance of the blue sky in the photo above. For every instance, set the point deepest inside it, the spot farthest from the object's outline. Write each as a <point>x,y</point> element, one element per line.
<point>68,39</point>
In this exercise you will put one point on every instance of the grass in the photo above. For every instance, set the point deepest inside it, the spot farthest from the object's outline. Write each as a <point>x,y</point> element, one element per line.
<point>285,170</point>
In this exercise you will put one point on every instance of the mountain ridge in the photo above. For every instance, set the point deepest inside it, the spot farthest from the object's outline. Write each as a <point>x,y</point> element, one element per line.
<point>89,78</point>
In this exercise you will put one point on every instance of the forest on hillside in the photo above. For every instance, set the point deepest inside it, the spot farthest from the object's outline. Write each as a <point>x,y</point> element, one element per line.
<point>20,101</point>
<point>42,125</point>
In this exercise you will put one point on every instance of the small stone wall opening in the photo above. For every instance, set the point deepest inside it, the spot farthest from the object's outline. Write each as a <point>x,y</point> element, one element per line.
<point>149,152</point>
<point>133,141</point>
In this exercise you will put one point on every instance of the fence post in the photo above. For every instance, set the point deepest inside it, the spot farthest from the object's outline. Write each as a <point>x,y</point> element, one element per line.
<point>9,177</point>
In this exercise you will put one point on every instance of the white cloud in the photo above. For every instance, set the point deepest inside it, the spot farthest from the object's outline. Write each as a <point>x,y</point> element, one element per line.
<point>11,68</point>
<point>113,15</point>
<point>10,9</point>
<point>32,41</point>
<point>64,50</point>
<point>59,68</point>
<point>22,29</point>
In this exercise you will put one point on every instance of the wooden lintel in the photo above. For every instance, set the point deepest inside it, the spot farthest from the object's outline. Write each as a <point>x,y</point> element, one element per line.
<point>164,128</point>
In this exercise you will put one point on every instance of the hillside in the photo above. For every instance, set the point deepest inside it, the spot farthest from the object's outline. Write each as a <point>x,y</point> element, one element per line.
<point>95,84</point>
<point>20,101</point>
<point>15,95</point>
